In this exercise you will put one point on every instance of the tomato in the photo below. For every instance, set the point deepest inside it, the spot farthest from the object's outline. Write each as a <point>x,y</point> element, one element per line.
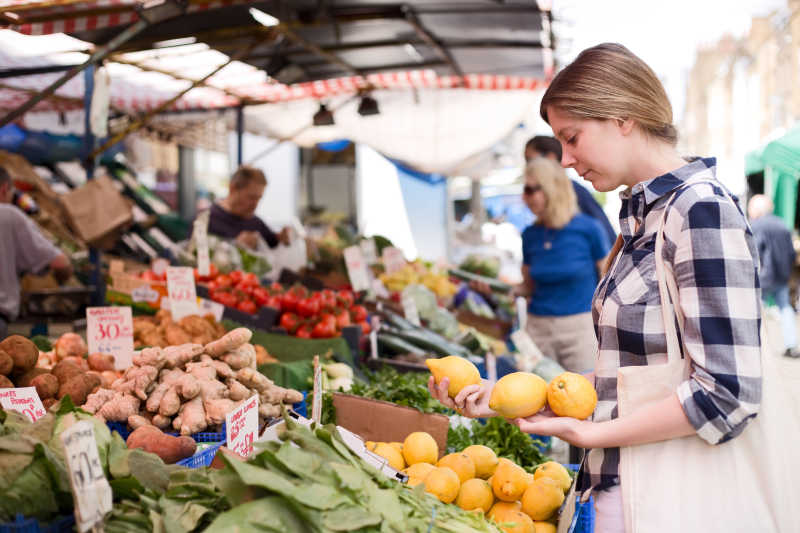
<point>342,319</point>
<point>303,332</point>
<point>358,313</point>
<point>273,301</point>
<point>307,307</point>
<point>290,322</point>
<point>244,287</point>
<point>247,306</point>
<point>365,329</point>
<point>261,295</point>
<point>250,279</point>
<point>236,276</point>
<point>224,281</point>
<point>324,329</point>
<point>227,299</point>
<point>346,298</point>
<point>212,286</point>
<point>276,287</point>
<point>288,302</point>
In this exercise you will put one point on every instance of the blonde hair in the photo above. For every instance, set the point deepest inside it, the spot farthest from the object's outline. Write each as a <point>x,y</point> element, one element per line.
<point>562,204</point>
<point>609,82</point>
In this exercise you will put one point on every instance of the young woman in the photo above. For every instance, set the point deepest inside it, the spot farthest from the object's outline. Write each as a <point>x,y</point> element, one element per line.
<point>614,121</point>
<point>562,253</point>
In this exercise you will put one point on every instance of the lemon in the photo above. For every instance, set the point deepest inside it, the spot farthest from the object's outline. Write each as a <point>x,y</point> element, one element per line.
<point>518,395</point>
<point>543,527</point>
<point>460,371</point>
<point>509,481</point>
<point>417,473</point>
<point>388,452</point>
<point>555,471</point>
<point>475,494</point>
<point>397,446</point>
<point>420,447</point>
<point>484,458</point>
<point>542,499</point>
<point>370,445</point>
<point>443,483</point>
<point>460,463</point>
<point>571,394</point>
<point>510,519</point>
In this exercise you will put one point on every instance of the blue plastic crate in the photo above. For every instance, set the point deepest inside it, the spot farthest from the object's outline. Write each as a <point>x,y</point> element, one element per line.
<point>201,458</point>
<point>62,524</point>
<point>583,519</point>
<point>301,408</point>
<point>124,431</point>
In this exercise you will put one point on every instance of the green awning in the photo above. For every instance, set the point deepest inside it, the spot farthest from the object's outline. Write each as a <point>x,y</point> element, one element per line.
<point>754,162</point>
<point>784,154</point>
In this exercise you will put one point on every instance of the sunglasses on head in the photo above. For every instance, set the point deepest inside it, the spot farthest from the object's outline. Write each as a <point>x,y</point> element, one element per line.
<point>529,190</point>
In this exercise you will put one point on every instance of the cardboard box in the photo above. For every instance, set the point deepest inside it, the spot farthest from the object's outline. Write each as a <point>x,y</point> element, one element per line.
<point>97,210</point>
<point>377,420</point>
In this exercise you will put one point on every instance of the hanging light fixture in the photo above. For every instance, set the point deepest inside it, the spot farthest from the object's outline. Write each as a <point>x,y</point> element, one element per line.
<point>368,106</point>
<point>323,117</point>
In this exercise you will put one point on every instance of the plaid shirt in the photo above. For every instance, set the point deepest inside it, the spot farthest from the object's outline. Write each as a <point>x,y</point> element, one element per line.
<point>712,251</point>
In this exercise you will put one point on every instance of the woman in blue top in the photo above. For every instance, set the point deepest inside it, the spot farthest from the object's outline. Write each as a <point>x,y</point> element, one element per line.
<point>562,253</point>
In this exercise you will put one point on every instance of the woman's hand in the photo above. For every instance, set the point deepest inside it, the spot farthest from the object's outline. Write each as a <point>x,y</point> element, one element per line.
<point>472,401</point>
<point>576,432</point>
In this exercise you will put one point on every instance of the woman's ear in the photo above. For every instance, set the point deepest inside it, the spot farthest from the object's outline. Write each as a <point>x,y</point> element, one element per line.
<point>626,126</point>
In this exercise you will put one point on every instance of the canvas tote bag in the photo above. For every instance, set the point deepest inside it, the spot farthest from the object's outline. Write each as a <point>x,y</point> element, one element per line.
<point>748,484</point>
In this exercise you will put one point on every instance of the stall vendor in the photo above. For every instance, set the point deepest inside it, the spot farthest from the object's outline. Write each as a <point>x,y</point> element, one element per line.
<point>234,216</point>
<point>24,249</point>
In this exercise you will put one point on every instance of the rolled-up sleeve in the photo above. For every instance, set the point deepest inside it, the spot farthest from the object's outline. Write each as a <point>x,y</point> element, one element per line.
<point>715,269</point>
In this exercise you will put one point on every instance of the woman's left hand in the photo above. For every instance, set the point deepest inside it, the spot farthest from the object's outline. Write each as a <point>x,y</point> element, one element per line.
<point>545,422</point>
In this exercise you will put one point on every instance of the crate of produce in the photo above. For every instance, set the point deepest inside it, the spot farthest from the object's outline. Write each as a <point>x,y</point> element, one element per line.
<point>203,456</point>
<point>63,524</point>
<point>583,519</point>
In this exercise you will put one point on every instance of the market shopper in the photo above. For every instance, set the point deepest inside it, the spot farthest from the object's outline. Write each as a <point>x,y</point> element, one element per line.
<point>23,248</point>
<point>614,121</point>
<point>549,148</point>
<point>234,216</point>
<point>776,252</point>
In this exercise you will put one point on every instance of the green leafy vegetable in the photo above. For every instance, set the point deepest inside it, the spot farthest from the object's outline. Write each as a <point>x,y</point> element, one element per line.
<point>507,440</point>
<point>409,389</point>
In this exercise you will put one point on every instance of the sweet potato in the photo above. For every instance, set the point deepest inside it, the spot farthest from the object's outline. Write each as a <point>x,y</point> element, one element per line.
<point>170,449</point>
<point>6,363</point>
<point>101,362</point>
<point>23,352</point>
<point>5,383</point>
<point>46,386</point>
<point>64,370</point>
<point>79,387</point>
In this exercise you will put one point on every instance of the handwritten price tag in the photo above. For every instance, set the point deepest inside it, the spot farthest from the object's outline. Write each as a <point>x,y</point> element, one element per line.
<point>110,330</point>
<point>527,347</point>
<point>182,293</point>
<point>356,268</point>
<point>200,234</point>
<point>316,404</point>
<point>242,427</point>
<point>393,259</point>
<point>23,400</point>
<point>90,489</point>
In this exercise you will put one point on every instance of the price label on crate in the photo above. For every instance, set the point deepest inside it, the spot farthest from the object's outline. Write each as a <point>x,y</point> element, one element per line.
<point>211,307</point>
<point>182,293</point>
<point>242,427</point>
<point>90,489</point>
<point>356,268</point>
<point>200,234</point>
<point>410,309</point>
<point>110,330</point>
<point>527,347</point>
<point>23,400</point>
<point>393,259</point>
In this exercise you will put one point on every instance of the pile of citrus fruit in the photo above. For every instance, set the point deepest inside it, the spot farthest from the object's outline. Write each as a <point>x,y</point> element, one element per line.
<point>477,480</point>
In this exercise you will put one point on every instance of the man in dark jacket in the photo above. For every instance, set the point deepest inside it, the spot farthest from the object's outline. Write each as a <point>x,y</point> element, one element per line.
<point>777,255</point>
<point>549,147</point>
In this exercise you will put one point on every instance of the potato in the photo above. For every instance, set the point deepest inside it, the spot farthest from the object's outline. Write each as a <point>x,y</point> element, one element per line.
<point>49,402</point>
<point>5,383</point>
<point>25,379</point>
<point>170,449</point>
<point>22,351</point>
<point>79,361</point>
<point>46,385</point>
<point>101,362</point>
<point>79,387</point>
<point>70,345</point>
<point>64,370</point>
<point>6,363</point>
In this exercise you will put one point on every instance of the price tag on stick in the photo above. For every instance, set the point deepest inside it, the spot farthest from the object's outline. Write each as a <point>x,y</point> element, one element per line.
<point>24,400</point>
<point>316,404</point>
<point>356,268</point>
<point>200,234</point>
<point>90,489</point>
<point>110,330</point>
<point>182,292</point>
<point>242,427</point>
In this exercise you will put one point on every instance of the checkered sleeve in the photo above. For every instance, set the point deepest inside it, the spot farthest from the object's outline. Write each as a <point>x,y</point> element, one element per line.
<point>714,261</point>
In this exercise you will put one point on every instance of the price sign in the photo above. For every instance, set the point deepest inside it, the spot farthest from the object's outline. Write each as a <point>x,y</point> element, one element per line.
<point>90,489</point>
<point>159,266</point>
<point>211,307</point>
<point>110,330</point>
<point>23,400</point>
<point>369,250</point>
<point>181,290</point>
<point>393,259</point>
<point>356,268</point>
<point>522,311</point>
<point>527,347</point>
<point>242,427</point>
<point>410,309</point>
<point>200,234</point>
<point>316,404</point>
<point>145,294</point>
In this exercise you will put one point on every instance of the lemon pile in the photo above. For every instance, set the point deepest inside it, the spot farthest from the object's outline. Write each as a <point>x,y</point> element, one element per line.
<point>477,480</point>
<point>416,274</point>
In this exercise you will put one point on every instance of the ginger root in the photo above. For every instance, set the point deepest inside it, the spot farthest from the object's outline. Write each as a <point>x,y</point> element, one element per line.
<point>161,422</point>
<point>97,399</point>
<point>237,390</point>
<point>217,409</point>
<point>192,417</point>
<point>150,357</point>
<point>230,341</point>
<point>244,355</point>
<point>138,380</point>
<point>178,356</point>
<point>119,408</point>
<point>137,421</point>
